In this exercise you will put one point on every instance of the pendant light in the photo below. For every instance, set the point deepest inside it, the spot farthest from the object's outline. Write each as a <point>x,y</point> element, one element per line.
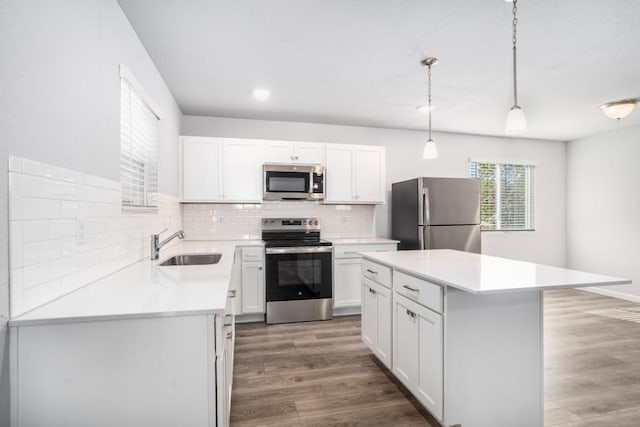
<point>430,151</point>
<point>516,122</point>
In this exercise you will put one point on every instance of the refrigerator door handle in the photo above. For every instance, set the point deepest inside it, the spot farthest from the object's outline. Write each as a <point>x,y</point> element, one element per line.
<point>421,237</point>
<point>426,220</point>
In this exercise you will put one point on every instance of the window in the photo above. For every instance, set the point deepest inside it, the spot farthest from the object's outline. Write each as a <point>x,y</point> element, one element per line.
<point>506,195</point>
<point>138,145</point>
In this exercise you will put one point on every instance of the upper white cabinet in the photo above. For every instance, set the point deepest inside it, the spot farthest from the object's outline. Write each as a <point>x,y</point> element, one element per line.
<point>355,174</point>
<point>294,152</point>
<point>221,169</point>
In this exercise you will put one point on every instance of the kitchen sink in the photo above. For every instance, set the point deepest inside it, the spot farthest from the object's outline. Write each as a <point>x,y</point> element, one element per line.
<point>192,259</point>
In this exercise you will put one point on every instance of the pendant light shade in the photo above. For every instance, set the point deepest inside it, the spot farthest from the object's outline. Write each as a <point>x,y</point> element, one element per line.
<point>516,122</point>
<point>430,151</point>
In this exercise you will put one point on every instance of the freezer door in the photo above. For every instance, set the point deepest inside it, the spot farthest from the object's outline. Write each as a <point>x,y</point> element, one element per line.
<point>460,237</point>
<point>405,214</point>
<point>452,201</point>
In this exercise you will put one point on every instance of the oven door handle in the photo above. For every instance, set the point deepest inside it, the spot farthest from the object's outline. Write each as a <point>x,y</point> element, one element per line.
<point>299,250</point>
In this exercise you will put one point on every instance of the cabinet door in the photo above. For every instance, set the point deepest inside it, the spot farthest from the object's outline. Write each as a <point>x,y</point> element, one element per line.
<point>346,283</point>
<point>339,176</point>
<point>279,152</point>
<point>369,174</point>
<point>384,309</point>
<point>201,169</point>
<point>405,342</point>
<point>242,171</point>
<point>429,387</point>
<point>369,316</point>
<point>309,152</point>
<point>253,292</point>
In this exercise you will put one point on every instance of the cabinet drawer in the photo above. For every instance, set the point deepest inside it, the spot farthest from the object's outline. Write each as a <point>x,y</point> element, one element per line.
<point>352,251</point>
<point>253,254</point>
<point>425,293</point>
<point>376,272</point>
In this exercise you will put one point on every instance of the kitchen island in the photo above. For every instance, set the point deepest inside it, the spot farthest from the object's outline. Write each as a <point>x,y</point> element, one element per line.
<point>464,332</point>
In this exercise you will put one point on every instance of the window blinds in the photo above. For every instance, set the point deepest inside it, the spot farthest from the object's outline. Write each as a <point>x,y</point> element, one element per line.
<point>138,150</point>
<point>506,195</point>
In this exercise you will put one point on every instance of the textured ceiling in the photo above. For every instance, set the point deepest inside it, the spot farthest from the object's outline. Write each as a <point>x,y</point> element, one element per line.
<point>357,62</point>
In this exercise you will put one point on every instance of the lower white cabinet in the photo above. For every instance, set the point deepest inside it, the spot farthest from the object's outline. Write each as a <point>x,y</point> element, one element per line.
<point>252,287</point>
<point>347,264</point>
<point>162,371</point>
<point>376,319</point>
<point>418,352</point>
<point>253,291</point>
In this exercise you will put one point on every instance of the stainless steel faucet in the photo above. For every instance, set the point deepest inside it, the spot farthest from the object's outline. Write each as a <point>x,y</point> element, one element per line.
<point>156,244</point>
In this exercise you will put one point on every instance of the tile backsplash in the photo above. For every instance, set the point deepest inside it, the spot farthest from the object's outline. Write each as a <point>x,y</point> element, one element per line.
<point>205,221</point>
<point>67,229</point>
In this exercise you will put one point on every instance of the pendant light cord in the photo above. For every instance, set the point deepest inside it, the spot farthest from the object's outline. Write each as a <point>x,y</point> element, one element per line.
<point>514,40</point>
<point>429,97</point>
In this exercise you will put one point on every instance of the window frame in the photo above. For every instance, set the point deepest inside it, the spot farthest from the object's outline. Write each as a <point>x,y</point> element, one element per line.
<point>529,192</point>
<point>150,198</point>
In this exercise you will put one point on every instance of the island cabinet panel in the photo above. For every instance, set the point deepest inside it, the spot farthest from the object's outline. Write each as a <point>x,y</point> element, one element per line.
<point>376,319</point>
<point>418,352</point>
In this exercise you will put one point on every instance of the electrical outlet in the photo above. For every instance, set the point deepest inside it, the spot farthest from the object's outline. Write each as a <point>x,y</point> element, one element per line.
<point>79,231</point>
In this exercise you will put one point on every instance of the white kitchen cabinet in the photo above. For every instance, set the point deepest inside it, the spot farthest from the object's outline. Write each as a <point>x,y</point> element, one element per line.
<point>294,152</point>
<point>221,170</point>
<point>376,319</point>
<point>201,168</point>
<point>159,371</point>
<point>355,174</point>
<point>253,291</point>
<point>418,352</point>
<point>347,271</point>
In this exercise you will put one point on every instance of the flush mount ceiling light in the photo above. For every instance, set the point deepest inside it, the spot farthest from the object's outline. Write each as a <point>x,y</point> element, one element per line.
<point>516,122</point>
<point>430,151</point>
<point>619,109</point>
<point>261,94</point>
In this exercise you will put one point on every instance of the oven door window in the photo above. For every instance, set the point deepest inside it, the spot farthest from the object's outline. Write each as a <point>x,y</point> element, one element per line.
<point>287,182</point>
<point>298,276</point>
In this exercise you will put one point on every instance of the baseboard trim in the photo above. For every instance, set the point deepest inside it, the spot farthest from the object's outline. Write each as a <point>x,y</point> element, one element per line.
<point>346,311</point>
<point>614,294</point>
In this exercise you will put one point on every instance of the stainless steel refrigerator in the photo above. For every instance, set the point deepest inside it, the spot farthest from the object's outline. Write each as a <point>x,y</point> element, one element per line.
<point>436,213</point>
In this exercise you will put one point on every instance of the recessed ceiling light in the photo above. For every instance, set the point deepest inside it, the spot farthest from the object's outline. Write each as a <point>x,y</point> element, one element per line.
<point>261,94</point>
<point>424,109</point>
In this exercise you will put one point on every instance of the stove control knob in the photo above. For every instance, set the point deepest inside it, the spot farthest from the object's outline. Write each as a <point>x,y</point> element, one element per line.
<point>315,222</point>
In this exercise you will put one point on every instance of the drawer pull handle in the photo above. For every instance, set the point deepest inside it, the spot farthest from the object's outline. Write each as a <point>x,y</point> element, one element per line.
<point>372,291</point>
<point>232,294</point>
<point>251,255</point>
<point>228,320</point>
<point>229,335</point>
<point>260,268</point>
<point>350,252</point>
<point>410,288</point>
<point>372,272</point>
<point>411,313</point>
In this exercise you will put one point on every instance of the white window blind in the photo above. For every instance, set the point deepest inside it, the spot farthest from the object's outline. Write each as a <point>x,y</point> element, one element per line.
<point>138,150</point>
<point>506,195</point>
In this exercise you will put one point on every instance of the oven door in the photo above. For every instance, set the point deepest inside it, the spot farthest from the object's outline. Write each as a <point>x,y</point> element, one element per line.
<point>300,273</point>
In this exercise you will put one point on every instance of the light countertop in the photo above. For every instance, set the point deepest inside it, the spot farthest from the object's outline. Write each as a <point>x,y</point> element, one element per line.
<point>145,289</point>
<point>482,274</point>
<point>360,241</point>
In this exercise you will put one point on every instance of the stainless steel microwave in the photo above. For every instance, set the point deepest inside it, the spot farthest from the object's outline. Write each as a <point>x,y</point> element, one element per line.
<point>295,182</point>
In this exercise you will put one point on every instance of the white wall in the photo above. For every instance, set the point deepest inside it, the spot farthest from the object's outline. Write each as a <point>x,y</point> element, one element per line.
<point>404,150</point>
<point>603,207</point>
<point>59,103</point>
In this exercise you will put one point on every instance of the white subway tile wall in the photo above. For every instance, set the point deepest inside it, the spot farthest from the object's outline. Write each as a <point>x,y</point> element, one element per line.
<point>205,221</point>
<point>66,229</point>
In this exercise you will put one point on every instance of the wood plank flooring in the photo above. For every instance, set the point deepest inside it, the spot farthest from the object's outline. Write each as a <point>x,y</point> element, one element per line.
<point>320,374</point>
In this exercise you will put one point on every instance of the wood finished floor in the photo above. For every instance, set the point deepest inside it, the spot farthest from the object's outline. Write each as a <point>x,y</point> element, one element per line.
<point>320,374</point>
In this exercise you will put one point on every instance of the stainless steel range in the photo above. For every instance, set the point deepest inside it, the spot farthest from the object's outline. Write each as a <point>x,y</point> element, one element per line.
<point>298,270</point>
